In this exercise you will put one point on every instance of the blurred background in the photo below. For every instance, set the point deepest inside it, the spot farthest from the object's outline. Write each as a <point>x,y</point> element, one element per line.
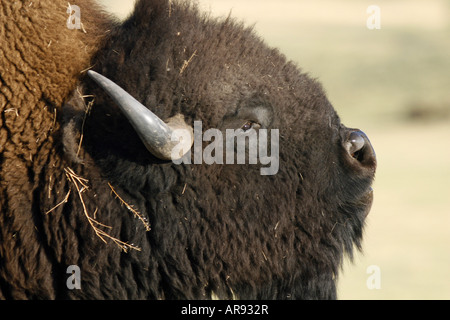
<point>394,84</point>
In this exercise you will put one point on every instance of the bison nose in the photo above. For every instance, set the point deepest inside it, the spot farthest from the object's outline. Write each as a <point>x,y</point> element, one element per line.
<point>360,149</point>
<point>355,142</point>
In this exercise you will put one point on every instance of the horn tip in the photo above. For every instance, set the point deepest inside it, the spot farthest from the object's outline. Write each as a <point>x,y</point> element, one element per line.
<point>91,73</point>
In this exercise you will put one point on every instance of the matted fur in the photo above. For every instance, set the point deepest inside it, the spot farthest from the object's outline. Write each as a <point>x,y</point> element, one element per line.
<point>221,230</point>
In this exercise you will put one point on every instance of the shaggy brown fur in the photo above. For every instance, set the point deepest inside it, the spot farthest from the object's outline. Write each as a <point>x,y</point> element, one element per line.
<point>221,230</point>
<point>40,63</point>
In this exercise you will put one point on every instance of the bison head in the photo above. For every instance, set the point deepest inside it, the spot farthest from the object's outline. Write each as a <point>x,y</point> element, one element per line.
<point>225,229</point>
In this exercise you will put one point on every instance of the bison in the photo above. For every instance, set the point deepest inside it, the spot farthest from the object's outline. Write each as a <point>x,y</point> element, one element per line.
<point>88,186</point>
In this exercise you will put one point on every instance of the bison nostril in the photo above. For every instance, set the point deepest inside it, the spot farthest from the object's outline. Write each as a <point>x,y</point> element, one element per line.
<point>360,149</point>
<point>355,144</point>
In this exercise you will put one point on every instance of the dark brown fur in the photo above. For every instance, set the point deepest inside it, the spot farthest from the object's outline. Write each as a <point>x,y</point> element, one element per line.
<point>215,229</point>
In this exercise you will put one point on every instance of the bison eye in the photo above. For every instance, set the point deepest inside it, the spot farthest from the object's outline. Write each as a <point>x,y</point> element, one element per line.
<point>249,125</point>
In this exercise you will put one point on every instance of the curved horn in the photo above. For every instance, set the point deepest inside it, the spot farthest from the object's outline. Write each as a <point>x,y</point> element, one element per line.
<point>154,133</point>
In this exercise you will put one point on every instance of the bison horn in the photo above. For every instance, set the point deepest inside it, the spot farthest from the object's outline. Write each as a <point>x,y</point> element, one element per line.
<point>154,133</point>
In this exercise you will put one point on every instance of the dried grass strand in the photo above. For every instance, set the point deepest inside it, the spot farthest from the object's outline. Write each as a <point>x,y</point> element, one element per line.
<point>66,198</point>
<point>131,208</point>
<point>87,110</point>
<point>186,62</point>
<point>81,185</point>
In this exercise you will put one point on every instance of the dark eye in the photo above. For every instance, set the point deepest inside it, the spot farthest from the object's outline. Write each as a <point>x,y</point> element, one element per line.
<point>250,124</point>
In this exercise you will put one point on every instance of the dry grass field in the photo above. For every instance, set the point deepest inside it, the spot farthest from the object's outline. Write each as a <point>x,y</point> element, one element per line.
<point>393,83</point>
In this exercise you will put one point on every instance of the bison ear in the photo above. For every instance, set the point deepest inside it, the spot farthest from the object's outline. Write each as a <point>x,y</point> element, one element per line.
<point>159,137</point>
